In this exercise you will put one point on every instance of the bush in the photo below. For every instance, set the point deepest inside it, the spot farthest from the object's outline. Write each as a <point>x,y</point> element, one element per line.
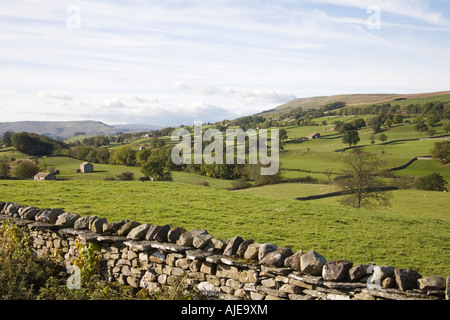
<point>23,276</point>
<point>240,184</point>
<point>4,169</point>
<point>26,169</point>
<point>22,273</point>
<point>202,183</point>
<point>433,182</point>
<point>126,176</point>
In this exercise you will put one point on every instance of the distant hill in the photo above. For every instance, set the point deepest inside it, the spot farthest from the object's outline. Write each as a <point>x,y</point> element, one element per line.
<point>136,127</point>
<point>67,129</point>
<point>355,100</point>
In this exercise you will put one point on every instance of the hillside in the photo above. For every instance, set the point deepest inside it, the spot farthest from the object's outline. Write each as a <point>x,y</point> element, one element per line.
<point>356,100</point>
<point>67,129</point>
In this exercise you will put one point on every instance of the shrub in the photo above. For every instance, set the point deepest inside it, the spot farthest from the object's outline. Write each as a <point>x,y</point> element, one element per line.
<point>126,176</point>
<point>22,273</point>
<point>432,182</point>
<point>240,184</point>
<point>202,183</point>
<point>4,169</point>
<point>26,169</point>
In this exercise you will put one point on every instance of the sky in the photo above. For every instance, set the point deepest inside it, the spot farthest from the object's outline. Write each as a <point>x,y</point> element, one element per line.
<point>172,62</point>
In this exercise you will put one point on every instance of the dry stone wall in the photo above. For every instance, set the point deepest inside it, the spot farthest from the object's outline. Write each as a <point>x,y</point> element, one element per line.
<point>150,256</point>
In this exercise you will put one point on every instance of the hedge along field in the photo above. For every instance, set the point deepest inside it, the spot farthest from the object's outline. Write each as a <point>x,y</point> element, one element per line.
<point>418,241</point>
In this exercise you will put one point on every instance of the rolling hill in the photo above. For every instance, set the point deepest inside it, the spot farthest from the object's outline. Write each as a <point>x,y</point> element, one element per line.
<point>357,100</point>
<point>67,129</point>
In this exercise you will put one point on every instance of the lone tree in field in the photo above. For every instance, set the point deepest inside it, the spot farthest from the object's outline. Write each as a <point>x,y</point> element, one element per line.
<point>360,182</point>
<point>441,152</point>
<point>157,166</point>
<point>350,137</point>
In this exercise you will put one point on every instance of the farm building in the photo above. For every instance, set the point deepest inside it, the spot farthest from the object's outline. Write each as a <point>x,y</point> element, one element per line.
<point>313,136</point>
<point>41,176</point>
<point>86,167</point>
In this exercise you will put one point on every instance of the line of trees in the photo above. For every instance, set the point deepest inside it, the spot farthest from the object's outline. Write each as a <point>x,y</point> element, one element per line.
<point>32,143</point>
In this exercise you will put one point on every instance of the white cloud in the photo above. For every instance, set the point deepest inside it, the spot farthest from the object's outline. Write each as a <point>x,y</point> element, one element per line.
<point>56,94</point>
<point>417,9</point>
<point>240,94</point>
<point>220,58</point>
<point>8,92</point>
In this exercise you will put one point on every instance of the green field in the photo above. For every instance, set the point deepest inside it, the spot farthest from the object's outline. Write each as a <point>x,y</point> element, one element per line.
<point>417,238</point>
<point>314,157</point>
<point>414,232</point>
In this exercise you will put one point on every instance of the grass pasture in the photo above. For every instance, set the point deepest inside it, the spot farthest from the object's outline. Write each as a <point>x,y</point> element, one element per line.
<point>404,239</point>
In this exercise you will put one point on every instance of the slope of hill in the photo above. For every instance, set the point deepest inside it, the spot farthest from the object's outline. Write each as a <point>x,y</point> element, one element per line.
<point>67,129</point>
<point>356,100</point>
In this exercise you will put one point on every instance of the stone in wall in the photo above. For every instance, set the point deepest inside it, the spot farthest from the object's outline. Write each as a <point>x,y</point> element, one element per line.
<point>127,227</point>
<point>380,273</point>
<point>432,283</point>
<point>277,257</point>
<point>232,246</point>
<point>139,232</point>
<point>407,279</point>
<point>162,233</point>
<point>67,219</point>
<point>336,270</point>
<point>293,261</point>
<point>82,223</point>
<point>312,263</point>
<point>97,225</point>
<point>187,238</point>
<point>174,234</point>
<point>264,249</point>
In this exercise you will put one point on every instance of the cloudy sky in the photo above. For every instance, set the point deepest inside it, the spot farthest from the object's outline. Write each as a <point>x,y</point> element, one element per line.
<point>169,62</point>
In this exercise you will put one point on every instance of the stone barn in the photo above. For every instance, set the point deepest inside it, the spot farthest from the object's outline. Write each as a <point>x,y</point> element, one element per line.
<point>313,136</point>
<point>86,167</point>
<point>41,176</point>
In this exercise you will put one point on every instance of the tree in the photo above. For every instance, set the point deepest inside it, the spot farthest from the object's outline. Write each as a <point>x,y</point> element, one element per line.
<point>282,136</point>
<point>160,144</point>
<point>26,169</point>
<point>441,152</point>
<point>6,141</point>
<point>124,155</point>
<point>420,127</point>
<point>350,137</point>
<point>157,166</point>
<point>143,155</point>
<point>431,131</point>
<point>383,137</point>
<point>32,144</point>
<point>433,182</point>
<point>388,123</point>
<point>398,118</point>
<point>359,180</point>
<point>446,127</point>
<point>432,120</point>
<point>359,123</point>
